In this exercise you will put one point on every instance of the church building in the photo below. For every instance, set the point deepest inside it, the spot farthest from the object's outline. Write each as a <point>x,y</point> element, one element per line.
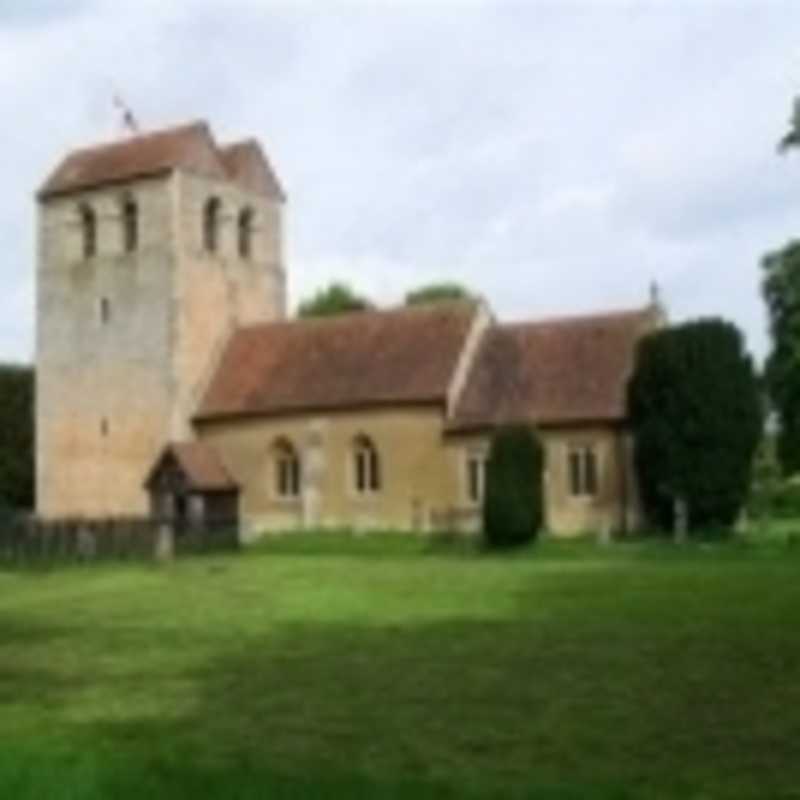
<point>170,381</point>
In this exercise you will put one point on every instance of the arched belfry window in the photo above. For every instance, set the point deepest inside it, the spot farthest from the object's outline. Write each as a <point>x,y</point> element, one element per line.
<point>366,466</point>
<point>130,224</point>
<point>211,215</point>
<point>287,470</point>
<point>245,233</point>
<point>88,231</point>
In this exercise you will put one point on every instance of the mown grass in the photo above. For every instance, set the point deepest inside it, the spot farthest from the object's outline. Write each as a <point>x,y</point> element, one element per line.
<point>395,667</point>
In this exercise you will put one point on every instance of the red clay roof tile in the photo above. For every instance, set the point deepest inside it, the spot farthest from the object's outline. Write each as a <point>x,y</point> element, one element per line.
<point>354,360</point>
<point>568,370</point>
<point>188,147</point>
<point>200,464</point>
<point>247,166</point>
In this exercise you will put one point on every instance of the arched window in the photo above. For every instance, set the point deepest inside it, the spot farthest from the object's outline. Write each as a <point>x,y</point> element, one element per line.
<point>88,231</point>
<point>245,233</point>
<point>211,214</point>
<point>366,466</point>
<point>287,470</point>
<point>583,470</point>
<point>130,224</point>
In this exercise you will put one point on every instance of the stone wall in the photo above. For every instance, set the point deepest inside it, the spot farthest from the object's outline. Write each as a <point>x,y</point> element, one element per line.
<point>215,292</point>
<point>615,506</point>
<point>126,341</point>
<point>424,473</point>
<point>418,474</point>
<point>103,386</point>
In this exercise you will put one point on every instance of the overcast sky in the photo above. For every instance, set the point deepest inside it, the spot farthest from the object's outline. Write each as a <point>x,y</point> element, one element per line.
<point>556,157</point>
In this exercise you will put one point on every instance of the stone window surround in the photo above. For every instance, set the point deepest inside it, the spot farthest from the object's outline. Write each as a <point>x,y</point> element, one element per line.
<point>366,473</point>
<point>474,457</point>
<point>287,472</point>
<point>586,487</point>
<point>244,233</point>
<point>127,218</point>
<point>245,222</point>
<point>129,213</point>
<point>87,217</point>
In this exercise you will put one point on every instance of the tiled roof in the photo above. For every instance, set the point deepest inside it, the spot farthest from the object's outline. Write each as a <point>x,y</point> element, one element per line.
<point>188,147</point>
<point>567,370</point>
<point>354,360</point>
<point>247,166</point>
<point>200,464</point>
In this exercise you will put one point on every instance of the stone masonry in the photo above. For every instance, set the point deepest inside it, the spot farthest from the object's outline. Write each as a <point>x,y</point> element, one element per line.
<point>125,341</point>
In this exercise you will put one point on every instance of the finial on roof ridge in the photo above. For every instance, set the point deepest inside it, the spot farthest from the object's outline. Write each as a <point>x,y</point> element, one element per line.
<point>656,305</point>
<point>655,293</point>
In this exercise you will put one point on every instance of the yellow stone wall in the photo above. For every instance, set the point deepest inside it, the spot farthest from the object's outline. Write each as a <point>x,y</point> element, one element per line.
<point>424,478</point>
<point>614,508</point>
<point>415,469</point>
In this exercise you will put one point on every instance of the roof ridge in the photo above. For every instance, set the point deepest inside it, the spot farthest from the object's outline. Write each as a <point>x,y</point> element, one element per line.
<point>331,319</point>
<point>577,319</point>
<point>246,142</point>
<point>142,136</point>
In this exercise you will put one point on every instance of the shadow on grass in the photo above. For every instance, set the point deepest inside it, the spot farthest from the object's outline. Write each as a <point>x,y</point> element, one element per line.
<point>314,711</point>
<point>592,699</point>
<point>457,710</point>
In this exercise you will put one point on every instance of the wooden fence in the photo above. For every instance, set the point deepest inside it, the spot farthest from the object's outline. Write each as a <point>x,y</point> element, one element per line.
<point>32,540</point>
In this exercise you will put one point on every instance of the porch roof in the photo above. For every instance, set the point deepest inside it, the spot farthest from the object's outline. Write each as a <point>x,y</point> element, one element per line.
<point>199,462</point>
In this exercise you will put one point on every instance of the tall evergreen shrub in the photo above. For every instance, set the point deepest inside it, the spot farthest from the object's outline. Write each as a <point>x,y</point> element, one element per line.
<point>696,413</point>
<point>512,507</point>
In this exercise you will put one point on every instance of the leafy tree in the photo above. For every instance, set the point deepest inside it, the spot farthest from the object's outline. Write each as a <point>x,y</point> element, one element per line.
<point>792,137</point>
<point>696,415</point>
<point>512,507</point>
<point>16,437</point>
<point>436,293</point>
<point>781,291</point>
<point>337,298</point>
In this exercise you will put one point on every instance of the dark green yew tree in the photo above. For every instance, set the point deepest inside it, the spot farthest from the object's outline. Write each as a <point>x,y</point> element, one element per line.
<point>696,415</point>
<point>512,506</point>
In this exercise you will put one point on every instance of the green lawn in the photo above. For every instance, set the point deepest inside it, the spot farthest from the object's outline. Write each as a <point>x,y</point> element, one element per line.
<point>394,668</point>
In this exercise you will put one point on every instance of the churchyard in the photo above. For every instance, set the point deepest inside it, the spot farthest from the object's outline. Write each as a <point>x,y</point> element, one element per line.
<point>388,667</point>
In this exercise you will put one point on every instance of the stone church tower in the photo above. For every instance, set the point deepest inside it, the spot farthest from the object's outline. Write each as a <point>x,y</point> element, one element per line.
<point>151,251</point>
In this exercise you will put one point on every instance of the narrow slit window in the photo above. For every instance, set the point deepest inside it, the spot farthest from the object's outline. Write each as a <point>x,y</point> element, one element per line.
<point>105,310</point>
